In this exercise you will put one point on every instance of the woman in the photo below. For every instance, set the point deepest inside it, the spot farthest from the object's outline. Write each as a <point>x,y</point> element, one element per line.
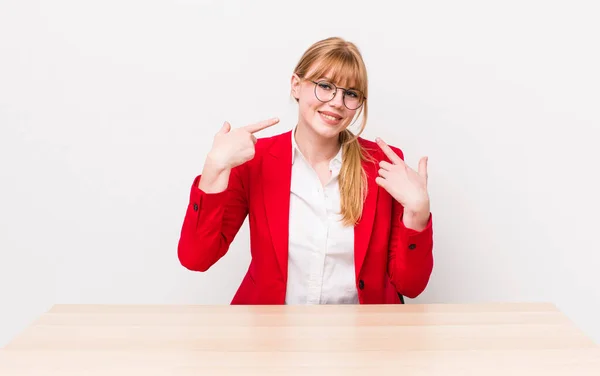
<point>333,218</point>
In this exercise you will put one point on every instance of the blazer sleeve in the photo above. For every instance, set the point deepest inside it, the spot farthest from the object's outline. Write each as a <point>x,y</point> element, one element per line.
<point>211,222</point>
<point>410,256</point>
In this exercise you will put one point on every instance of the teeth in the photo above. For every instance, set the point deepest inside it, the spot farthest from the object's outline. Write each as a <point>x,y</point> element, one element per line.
<point>329,117</point>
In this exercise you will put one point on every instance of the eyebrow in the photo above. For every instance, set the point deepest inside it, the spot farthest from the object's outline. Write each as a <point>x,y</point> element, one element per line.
<point>329,79</point>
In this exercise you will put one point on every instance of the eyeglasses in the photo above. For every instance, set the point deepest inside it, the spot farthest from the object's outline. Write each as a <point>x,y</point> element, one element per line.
<point>325,91</point>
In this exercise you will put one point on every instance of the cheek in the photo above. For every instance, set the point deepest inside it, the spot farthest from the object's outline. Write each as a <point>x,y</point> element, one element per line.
<point>308,103</point>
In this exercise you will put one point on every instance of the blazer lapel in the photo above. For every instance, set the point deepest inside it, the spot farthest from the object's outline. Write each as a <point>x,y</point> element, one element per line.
<point>277,173</point>
<point>363,229</point>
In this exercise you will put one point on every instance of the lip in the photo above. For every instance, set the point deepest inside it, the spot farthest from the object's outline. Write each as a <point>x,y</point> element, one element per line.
<point>329,121</point>
<point>338,116</point>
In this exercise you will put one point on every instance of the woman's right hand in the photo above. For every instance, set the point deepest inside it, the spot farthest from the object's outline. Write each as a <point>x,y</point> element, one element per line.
<point>232,148</point>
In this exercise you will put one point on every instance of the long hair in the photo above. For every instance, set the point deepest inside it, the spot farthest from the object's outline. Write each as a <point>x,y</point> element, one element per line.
<point>344,63</point>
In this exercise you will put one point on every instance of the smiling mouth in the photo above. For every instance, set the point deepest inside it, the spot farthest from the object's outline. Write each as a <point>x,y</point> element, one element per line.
<point>330,117</point>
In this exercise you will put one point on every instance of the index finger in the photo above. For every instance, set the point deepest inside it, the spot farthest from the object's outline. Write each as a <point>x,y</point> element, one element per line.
<point>253,128</point>
<point>394,158</point>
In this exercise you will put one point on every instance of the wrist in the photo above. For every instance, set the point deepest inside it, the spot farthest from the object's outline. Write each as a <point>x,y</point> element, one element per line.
<point>415,220</point>
<point>215,164</point>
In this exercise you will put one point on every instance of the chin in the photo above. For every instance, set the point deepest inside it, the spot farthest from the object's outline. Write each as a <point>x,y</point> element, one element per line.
<point>328,130</point>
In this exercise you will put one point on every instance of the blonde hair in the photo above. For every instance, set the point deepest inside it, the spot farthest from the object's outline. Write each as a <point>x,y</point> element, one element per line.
<point>344,64</point>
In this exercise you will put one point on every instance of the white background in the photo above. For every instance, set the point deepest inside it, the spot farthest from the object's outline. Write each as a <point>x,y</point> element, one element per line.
<point>108,108</point>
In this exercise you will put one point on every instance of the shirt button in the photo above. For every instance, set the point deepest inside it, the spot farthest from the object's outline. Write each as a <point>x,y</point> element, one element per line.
<point>412,246</point>
<point>195,207</point>
<point>361,284</point>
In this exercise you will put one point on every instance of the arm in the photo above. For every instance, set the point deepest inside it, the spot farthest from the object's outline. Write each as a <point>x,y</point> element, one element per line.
<point>410,254</point>
<point>218,202</point>
<point>410,257</point>
<point>212,219</point>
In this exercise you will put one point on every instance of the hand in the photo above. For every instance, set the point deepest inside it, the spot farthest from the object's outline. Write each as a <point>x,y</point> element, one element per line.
<point>407,186</point>
<point>232,148</point>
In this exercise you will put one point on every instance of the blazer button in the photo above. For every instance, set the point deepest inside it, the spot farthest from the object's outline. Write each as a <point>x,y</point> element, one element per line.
<point>412,246</point>
<point>361,284</point>
<point>195,207</point>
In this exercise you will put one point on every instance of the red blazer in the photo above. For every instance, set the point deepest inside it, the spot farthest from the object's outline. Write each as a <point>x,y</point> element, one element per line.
<point>389,258</point>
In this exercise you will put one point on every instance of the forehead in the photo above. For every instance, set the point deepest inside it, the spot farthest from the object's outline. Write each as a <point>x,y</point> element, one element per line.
<point>343,81</point>
<point>338,74</point>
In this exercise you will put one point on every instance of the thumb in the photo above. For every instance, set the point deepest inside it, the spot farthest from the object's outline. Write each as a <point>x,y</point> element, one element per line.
<point>225,128</point>
<point>423,167</point>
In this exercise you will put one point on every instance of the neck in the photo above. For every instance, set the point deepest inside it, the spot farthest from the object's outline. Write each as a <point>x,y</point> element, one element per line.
<point>315,148</point>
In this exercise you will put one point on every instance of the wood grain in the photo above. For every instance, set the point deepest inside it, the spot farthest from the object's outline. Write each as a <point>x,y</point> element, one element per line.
<point>432,339</point>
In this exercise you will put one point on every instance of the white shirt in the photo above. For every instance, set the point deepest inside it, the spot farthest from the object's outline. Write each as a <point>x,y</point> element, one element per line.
<point>321,248</point>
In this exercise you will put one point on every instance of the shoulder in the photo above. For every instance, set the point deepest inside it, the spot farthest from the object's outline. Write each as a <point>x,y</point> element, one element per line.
<point>275,148</point>
<point>277,141</point>
<point>374,151</point>
<point>279,146</point>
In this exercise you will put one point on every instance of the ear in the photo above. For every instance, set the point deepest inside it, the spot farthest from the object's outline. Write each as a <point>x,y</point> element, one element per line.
<point>295,85</point>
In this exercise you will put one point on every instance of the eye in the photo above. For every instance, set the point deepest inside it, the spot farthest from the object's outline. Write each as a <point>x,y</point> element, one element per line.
<point>352,93</point>
<point>325,86</point>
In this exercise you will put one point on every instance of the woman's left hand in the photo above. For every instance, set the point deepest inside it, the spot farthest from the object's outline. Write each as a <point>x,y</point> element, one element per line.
<point>406,186</point>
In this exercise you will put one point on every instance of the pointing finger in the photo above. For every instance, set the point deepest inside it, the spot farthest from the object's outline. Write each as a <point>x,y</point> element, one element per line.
<point>253,128</point>
<point>393,157</point>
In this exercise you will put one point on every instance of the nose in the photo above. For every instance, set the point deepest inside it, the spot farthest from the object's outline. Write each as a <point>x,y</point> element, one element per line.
<point>338,99</point>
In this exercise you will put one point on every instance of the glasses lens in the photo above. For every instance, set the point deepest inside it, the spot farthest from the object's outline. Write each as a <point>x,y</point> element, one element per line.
<point>325,91</point>
<point>353,99</point>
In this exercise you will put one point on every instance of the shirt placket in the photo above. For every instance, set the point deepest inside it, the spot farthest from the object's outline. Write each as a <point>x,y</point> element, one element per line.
<point>315,282</point>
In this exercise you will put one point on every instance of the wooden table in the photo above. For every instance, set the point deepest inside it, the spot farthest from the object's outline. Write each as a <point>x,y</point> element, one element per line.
<point>368,340</point>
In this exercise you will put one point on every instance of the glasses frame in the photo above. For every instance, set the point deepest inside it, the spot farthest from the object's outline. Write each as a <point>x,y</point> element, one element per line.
<point>335,93</point>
